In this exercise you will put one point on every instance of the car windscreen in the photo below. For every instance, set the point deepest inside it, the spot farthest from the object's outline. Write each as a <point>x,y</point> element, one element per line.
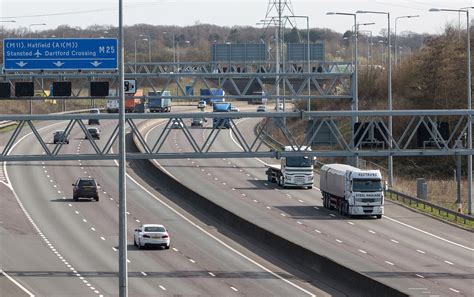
<point>94,111</point>
<point>155,229</point>
<point>86,183</point>
<point>298,162</point>
<point>366,185</point>
<point>92,131</point>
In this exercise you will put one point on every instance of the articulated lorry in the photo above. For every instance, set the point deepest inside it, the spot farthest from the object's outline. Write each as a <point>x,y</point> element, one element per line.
<point>222,123</point>
<point>159,102</point>
<point>131,102</point>
<point>213,95</point>
<point>292,171</point>
<point>352,191</point>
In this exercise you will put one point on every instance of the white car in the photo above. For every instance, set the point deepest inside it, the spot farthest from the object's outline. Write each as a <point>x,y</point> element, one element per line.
<point>151,235</point>
<point>261,108</point>
<point>279,106</point>
<point>176,124</point>
<point>202,104</point>
<point>234,109</point>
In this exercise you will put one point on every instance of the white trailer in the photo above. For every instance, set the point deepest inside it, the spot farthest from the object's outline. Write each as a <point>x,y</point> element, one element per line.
<point>112,106</point>
<point>292,171</point>
<point>352,191</point>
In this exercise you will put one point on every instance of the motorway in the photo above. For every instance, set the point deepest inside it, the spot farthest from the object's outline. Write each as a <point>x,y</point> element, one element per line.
<point>53,246</point>
<point>414,253</point>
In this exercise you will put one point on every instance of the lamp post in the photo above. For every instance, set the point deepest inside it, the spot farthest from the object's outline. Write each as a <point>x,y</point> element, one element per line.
<point>31,25</point>
<point>355,83</point>
<point>395,41</point>
<point>369,42</point>
<point>142,39</point>
<point>390,119</point>
<point>469,101</point>
<point>174,46</point>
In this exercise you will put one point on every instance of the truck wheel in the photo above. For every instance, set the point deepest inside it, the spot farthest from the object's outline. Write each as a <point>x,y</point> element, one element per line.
<point>325,202</point>
<point>310,187</point>
<point>269,178</point>
<point>379,216</point>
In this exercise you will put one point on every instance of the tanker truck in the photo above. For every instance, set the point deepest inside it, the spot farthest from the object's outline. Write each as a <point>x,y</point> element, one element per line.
<point>352,191</point>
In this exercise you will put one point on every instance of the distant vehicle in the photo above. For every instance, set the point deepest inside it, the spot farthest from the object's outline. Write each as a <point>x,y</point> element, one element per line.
<point>262,100</point>
<point>60,137</point>
<point>234,108</point>
<point>176,125</point>
<point>202,104</point>
<point>292,171</point>
<point>261,108</point>
<point>151,235</point>
<point>159,102</point>
<point>94,132</point>
<point>130,101</point>
<point>213,95</point>
<point>85,187</point>
<point>112,106</point>
<point>197,122</point>
<point>221,122</point>
<point>94,121</point>
<point>279,106</point>
<point>352,191</point>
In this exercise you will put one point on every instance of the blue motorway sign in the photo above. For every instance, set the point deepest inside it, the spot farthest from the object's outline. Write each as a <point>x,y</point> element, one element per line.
<point>60,54</point>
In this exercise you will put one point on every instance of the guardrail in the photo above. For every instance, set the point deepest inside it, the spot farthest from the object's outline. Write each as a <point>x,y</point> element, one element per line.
<point>433,208</point>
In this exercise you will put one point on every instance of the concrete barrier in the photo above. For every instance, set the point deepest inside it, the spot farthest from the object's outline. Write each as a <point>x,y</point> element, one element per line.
<point>287,250</point>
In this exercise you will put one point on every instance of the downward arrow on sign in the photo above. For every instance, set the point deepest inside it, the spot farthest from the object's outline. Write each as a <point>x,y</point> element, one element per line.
<point>21,63</point>
<point>96,63</point>
<point>58,63</point>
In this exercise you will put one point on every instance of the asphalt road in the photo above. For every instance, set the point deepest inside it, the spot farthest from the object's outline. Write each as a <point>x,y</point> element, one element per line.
<point>409,251</point>
<point>70,248</point>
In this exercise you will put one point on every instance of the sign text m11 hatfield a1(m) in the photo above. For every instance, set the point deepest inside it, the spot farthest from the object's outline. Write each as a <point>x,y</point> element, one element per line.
<point>59,54</point>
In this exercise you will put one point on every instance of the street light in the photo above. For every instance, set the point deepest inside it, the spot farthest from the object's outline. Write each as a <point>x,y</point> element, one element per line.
<point>390,120</point>
<point>469,100</point>
<point>141,39</point>
<point>174,46</point>
<point>31,25</point>
<point>395,41</point>
<point>355,103</point>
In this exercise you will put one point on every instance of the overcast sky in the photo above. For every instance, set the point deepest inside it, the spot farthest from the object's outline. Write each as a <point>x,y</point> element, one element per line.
<point>228,13</point>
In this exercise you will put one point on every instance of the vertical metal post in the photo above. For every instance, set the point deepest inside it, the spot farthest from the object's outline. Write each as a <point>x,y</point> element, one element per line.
<point>395,42</point>
<point>469,106</point>
<point>135,56</point>
<point>123,270</point>
<point>458,183</point>
<point>390,119</point>
<point>355,103</point>
<point>309,65</point>
<point>149,49</point>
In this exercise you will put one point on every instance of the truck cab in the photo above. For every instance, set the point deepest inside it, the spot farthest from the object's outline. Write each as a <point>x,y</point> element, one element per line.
<point>221,123</point>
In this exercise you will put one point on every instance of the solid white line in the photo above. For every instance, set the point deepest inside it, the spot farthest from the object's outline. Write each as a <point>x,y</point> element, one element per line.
<point>430,234</point>
<point>389,263</point>
<point>447,262</point>
<point>17,283</point>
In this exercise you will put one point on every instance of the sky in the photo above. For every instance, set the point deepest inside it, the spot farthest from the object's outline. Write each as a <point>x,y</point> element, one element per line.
<point>230,13</point>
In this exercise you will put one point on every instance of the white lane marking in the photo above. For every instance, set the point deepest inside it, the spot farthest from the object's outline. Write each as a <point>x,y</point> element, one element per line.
<point>114,249</point>
<point>102,237</point>
<point>430,234</point>
<point>351,223</point>
<point>209,234</point>
<point>454,290</point>
<point>76,212</point>
<point>299,223</point>
<point>362,251</point>
<point>420,251</point>
<point>338,240</point>
<point>419,275</point>
<point>283,215</point>
<point>129,261</point>
<point>301,201</point>
<point>317,231</point>
<point>447,262</point>
<point>16,283</point>
<point>143,273</point>
<point>161,287</point>
<point>332,215</point>
<point>192,261</point>
<point>175,249</point>
<point>315,207</point>
<point>84,220</point>
<point>211,274</point>
<point>373,232</point>
<point>268,207</point>
<point>137,220</point>
<point>389,263</point>
<point>234,289</point>
<point>394,241</point>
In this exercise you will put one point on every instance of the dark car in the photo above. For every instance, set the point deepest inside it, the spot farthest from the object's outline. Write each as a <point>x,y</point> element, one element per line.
<point>85,187</point>
<point>94,132</point>
<point>60,137</point>
<point>197,122</point>
<point>94,121</point>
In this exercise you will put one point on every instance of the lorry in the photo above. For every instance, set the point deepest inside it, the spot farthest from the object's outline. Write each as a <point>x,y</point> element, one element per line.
<point>352,191</point>
<point>260,101</point>
<point>131,101</point>
<point>210,100</point>
<point>292,171</point>
<point>112,105</point>
<point>159,101</point>
<point>221,122</point>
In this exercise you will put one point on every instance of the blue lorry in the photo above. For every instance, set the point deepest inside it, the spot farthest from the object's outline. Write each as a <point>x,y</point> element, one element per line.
<point>210,93</point>
<point>222,123</point>
<point>159,102</point>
